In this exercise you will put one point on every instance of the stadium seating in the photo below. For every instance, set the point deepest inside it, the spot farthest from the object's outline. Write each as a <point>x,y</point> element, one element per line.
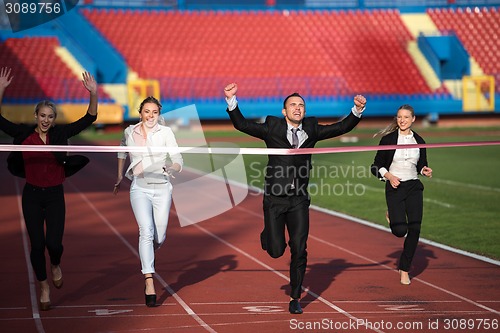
<point>40,73</point>
<point>478,29</point>
<point>269,53</point>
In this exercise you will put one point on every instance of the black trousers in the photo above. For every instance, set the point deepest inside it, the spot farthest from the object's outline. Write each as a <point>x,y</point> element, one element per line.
<point>44,214</point>
<point>292,212</point>
<point>405,205</point>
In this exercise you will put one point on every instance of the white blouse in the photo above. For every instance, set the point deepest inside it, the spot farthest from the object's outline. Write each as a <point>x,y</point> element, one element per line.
<point>404,162</point>
<point>150,165</point>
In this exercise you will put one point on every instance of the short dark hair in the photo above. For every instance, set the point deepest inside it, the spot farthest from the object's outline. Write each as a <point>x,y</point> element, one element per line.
<point>295,94</point>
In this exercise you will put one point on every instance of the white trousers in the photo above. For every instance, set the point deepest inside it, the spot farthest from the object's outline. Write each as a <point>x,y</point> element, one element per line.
<point>151,205</point>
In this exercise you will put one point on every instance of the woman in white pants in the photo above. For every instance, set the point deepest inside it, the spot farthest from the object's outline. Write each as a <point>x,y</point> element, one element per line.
<point>151,190</point>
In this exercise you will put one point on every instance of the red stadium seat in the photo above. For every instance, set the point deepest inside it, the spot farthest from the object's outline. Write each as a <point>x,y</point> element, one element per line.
<point>42,74</point>
<point>475,29</point>
<point>300,48</point>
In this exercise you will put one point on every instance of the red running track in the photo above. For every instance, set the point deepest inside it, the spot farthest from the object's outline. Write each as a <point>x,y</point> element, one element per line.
<point>213,276</point>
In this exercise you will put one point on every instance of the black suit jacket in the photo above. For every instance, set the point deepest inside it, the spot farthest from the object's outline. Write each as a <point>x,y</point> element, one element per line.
<point>383,158</point>
<point>282,170</point>
<point>58,135</point>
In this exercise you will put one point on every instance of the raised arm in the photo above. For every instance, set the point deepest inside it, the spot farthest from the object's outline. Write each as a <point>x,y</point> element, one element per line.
<point>5,80</point>
<point>230,90</point>
<point>346,124</point>
<point>359,103</point>
<point>239,121</point>
<point>91,85</point>
<point>7,126</point>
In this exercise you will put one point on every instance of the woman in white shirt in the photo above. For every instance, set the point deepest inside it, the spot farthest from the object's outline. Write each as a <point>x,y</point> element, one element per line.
<point>403,190</point>
<point>151,190</point>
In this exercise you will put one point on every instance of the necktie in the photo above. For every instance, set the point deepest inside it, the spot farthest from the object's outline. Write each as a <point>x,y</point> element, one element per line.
<point>295,144</point>
<point>295,138</point>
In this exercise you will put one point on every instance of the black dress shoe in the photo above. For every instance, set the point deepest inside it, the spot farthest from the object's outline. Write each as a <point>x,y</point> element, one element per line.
<point>263,240</point>
<point>294,307</point>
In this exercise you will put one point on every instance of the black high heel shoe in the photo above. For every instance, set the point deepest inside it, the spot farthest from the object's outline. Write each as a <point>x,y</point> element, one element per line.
<point>150,299</point>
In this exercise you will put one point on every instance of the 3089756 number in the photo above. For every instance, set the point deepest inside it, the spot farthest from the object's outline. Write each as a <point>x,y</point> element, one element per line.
<point>33,8</point>
<point>470,324</point>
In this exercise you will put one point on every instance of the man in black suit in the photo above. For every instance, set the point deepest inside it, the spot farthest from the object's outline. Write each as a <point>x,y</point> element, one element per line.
<point>286,199</point>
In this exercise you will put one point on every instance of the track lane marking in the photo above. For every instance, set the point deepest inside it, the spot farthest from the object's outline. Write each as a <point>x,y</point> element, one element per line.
<point>31,277</point>
<point>134,251</point>
<point>307,290</point>
<point>463,298</point>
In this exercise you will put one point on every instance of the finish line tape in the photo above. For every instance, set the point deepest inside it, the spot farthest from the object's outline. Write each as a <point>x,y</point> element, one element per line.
<point>235,151</point>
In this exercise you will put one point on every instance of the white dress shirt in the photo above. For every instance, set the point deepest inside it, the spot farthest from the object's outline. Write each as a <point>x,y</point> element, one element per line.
<point>149,165</point>
<point>404,163</point>
<point>232,103</point>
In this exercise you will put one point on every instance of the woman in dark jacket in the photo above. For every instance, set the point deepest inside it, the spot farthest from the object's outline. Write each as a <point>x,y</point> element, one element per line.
<point>43,194</point>
<point>403,190</point>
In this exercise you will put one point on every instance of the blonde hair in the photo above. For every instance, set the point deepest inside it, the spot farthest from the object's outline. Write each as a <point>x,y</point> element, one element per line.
<point>394,123</point>
<point>48,104</point>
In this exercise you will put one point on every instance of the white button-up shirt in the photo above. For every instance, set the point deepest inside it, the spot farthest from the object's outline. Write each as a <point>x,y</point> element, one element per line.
<point>404,162</point>
<point>149,165</point>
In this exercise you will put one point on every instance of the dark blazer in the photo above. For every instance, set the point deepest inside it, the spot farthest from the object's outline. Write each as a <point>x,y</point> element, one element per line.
<point>58,135</point>
<point>282,170</point>
<point>383,158</point>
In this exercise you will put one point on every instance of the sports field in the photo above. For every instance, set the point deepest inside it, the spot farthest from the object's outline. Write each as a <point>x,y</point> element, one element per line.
<point>215,277</point>
<point>461,201</point>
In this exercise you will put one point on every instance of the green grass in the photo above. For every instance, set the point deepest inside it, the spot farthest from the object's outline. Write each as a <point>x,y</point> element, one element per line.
<point>462,200</point>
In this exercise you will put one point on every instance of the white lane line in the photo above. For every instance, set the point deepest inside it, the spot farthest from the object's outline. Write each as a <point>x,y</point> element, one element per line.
<point>31,277</point>
<point>473,186</point>
<point>307,290</point>
<point>439,203</point>
<point>436,202</point>
<point>414,279</point>
<point>93,306</point>
<point>353,302</point>
<point>134,251</point>
<point>256,191</point>
<point>382,265</point>
<point>422,240</point>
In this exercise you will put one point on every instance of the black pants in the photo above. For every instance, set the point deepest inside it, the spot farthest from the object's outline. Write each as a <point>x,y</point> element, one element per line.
<point>44,207</point>
<point>405,205</point>
<point>292,212</point>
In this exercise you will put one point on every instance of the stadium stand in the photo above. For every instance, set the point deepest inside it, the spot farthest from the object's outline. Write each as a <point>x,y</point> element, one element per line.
<point>194,53</point>
<point>40,73</point>
<point>479,31</point>
<point>326,50</point>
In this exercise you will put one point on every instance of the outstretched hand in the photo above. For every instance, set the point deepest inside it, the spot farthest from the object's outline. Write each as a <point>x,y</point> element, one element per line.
<point>89,82</point>
<point>5,78</point>
<point>230,90</point>
<point>359,102</point>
